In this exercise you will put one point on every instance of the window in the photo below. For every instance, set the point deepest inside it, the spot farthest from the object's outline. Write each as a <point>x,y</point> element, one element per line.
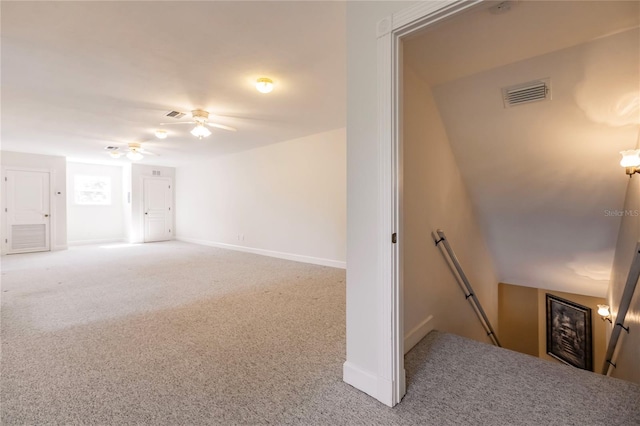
<point>93,190</point>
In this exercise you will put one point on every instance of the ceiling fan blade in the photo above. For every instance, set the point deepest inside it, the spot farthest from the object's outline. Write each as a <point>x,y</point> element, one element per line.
<point>181,122</point>
<point>222,126</point>
<point>145,152</point>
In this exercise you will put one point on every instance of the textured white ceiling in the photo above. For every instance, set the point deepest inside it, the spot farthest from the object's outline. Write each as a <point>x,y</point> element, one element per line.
<point>544,176</point>
<point>480,40</point>
<point>77,76</point>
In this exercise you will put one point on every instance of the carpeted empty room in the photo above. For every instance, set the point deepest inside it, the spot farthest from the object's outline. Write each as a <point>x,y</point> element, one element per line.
<point>176,333</point>
<point>165,333</point>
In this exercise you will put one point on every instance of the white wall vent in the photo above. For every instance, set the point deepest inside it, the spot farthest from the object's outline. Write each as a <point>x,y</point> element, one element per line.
<point>28,237</point>
<point>532,91</point>
<point>111,148</point>
<point>175,114</point>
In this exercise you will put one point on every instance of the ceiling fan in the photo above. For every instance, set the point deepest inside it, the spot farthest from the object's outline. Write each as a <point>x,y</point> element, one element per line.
<point>200,119</point>
<point>134,151</point>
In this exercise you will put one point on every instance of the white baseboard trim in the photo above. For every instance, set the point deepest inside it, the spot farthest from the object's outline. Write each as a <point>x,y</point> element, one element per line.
<point>360,379</point>
<point>91,242</point>
<point>417,333</point>
<point>385,392</point>
<point>368,382</point>
<point>270,253</point>
<point>63,247</point>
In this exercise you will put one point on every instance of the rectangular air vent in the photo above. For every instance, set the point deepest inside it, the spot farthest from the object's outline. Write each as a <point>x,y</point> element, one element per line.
<point>175,114</point>
<point>28,237</point>
<point>532,91</point>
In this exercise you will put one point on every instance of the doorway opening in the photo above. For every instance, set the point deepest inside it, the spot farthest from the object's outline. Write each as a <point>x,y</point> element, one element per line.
<point>459,158</point>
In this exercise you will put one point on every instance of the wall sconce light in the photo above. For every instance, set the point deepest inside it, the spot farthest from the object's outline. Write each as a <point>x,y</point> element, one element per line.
<point>264,85</point>
<point>605,314</point>
<point>603,311</point>
<point>631,161</point>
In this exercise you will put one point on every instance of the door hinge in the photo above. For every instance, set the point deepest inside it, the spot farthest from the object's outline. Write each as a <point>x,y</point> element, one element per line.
<point>5,179</point>
<point>169,186</point>
<point>394,238</point>
<point>169,230</point>
<point>169,208</point>
<point>6,240</point>
<point>5,209</point>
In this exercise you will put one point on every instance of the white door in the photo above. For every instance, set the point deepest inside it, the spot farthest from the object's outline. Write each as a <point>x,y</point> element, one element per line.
<point>27,211</point>
<point>157,210</point>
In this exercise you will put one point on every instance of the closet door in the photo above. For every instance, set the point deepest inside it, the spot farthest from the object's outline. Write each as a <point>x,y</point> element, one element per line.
<point>27,211</point>
<point>158,217</point>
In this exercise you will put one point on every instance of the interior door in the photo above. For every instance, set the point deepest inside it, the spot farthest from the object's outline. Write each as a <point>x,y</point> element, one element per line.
<point>158,217</point>
<point>27,211</point>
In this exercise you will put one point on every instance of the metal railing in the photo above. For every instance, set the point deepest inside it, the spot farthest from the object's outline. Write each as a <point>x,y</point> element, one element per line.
<point>623,307</point>
<point>469,294</point>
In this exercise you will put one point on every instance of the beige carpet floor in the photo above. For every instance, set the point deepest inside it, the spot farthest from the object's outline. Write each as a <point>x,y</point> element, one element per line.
<point>174,333</point>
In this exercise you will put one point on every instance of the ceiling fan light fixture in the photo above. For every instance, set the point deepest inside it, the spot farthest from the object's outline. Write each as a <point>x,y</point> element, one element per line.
<point>200,131</point>
<point>134,156</point>
<point>200,116</point>
<point>115,154</point>
<point>264,85</point>
<point>161,134</point>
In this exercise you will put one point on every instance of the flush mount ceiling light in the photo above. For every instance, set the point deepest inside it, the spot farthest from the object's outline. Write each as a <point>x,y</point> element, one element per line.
<point>200,131</point>
<point>264,85</point>
<point>630,161</point>
<point>134,151</point>
<point>161,134</point>
<point>113,151</point>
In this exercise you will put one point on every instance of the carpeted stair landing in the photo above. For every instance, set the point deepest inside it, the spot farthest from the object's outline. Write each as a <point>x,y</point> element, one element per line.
<point>460,381</point>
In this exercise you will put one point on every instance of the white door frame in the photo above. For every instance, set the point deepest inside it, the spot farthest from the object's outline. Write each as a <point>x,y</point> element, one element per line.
<point>52,205</point>
<point>390,32</point>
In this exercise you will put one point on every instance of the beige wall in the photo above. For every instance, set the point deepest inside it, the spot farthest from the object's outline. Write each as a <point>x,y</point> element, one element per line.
<point>628,366</point>
<point>285,200</point>
<point>518,318</point>
<point>523,321</point>
<point>435,197</point>
<point>598,327</point>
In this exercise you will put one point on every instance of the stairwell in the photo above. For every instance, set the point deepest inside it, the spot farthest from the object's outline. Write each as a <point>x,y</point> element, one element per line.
<point>462,381</point>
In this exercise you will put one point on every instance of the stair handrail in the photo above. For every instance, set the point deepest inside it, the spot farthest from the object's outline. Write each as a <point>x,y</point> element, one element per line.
<point>470,295</point>
<point>623,307</point>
